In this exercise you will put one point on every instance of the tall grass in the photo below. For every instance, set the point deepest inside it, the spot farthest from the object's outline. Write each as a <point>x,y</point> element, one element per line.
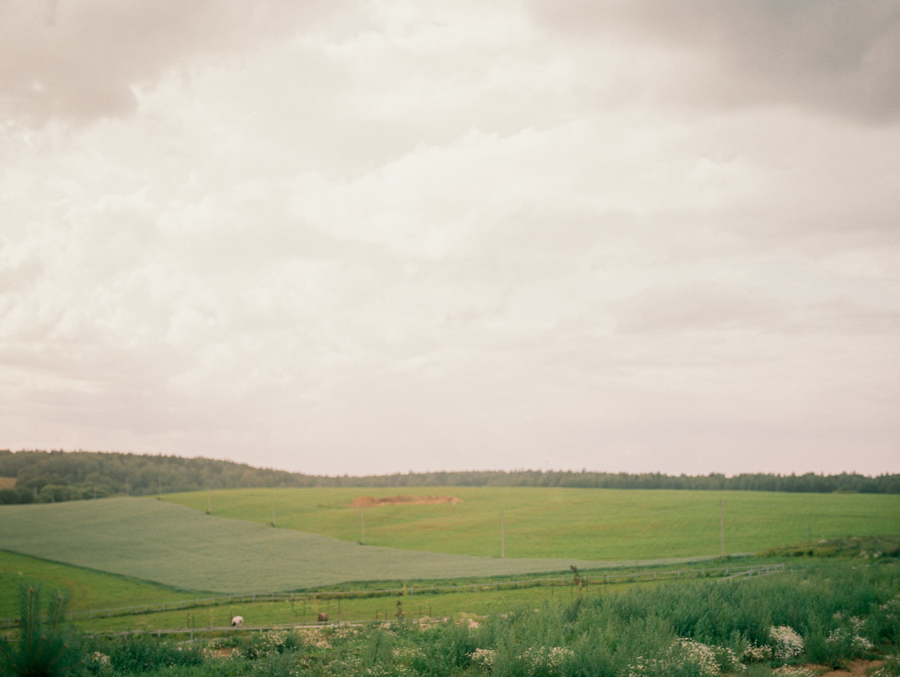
<point>44,647</point>
<point>828,613</point>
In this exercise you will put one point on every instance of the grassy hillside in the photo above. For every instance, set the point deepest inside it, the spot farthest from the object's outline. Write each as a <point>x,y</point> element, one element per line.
<point>594,524</point>
<point>186,549</point>
<point>88,589</point>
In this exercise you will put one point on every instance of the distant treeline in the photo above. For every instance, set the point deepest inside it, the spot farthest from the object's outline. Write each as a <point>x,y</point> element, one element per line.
<point>53,476</point>
<point>42,476</point>
<point>808,483</point>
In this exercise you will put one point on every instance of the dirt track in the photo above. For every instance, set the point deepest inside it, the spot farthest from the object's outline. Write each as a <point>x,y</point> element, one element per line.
<point>370,502</point>
<point>856,669</point>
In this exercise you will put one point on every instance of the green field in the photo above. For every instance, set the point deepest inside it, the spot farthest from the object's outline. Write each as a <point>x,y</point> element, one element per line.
<point>186,549</point>
<point>88,589</point>
<point>588,524</point>
<point>131,551</point>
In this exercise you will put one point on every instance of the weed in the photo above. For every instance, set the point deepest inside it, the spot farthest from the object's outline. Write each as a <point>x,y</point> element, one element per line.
<point>45,647</point>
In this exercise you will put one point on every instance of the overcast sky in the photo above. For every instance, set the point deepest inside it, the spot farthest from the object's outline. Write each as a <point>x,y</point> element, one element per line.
<point>368,237</point>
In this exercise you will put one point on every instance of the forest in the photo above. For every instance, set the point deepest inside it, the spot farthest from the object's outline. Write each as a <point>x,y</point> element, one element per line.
<point>53,476</point>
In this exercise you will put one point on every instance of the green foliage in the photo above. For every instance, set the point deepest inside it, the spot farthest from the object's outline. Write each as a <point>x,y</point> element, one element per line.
<point>81,475</point>
<point>51,477</point>
<point>45,646</point>
<point>866,547</point>
<point>890,668</point>
<point>694,629</point>
<point>139,654</point>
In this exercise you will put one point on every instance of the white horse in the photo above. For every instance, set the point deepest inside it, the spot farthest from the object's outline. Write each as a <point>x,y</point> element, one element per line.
<point>237,621</point>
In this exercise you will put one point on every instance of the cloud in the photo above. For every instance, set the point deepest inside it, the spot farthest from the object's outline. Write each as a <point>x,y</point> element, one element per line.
<point>403,238</point>
<point>79,60</point>
<point>826,55</point>
<point>698,306</point>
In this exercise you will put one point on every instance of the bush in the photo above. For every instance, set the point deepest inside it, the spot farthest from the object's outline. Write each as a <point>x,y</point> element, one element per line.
<point>45,647</point>
<point>141,653</point>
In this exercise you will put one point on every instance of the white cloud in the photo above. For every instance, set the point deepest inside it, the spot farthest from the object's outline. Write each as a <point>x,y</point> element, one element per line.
<point>395,238</point>
<point>80,59</point>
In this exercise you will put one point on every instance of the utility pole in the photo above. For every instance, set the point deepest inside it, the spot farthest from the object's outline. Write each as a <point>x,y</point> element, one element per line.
<point>362,527</point>
<point>159,484</point>
<point>208,503</point>
<point>722,527</point>
<point>502,538</point>
<point>273,512</point>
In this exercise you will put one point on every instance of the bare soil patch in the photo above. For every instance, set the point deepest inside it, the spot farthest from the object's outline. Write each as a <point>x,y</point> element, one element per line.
<point>857,668</point>
<point>371,502</point>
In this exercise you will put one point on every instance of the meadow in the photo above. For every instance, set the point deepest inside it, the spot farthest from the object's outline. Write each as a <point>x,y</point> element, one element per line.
<point>188,550</point>
<point>131,551</point>
<point>587,524</point>
<point>173,542</point>
<point>87,588</point>
<point>820,613</point>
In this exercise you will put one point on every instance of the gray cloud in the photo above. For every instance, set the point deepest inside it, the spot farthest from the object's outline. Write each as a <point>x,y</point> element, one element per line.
<point>822,54</point>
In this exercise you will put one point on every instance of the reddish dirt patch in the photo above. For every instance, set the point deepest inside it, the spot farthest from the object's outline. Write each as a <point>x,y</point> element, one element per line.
<point>7,482</point>
<point>857,668</point>
<point>370,502</point>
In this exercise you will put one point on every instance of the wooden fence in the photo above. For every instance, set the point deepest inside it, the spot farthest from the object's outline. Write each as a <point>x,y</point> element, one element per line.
<point>587,579</point>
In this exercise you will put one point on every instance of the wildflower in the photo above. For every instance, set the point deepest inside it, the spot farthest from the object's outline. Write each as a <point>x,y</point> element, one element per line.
<point>407,654</point>
<point>682,656</point>
<point>100,659</point>
<point>890,668</point>
<point>788,644</point>
<point>546,659</point>
<point>857,642</point>
<point>483,657</point>
<point>315,637</point>
<point>728,660</point>
<point>793,671</point>
<point>756,653</point>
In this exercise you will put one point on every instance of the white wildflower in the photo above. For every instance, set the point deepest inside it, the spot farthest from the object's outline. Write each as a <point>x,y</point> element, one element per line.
<point>407,654</point>
<point>862,644</point>
<point>788,644</point>
<point>100,659</point>
<point>793,671</point>
<point>844,636</point>
<point>344,632</point>
<point>680,655</point>
<point>728,660</point>
<point>756,653</point>
<point>483,657</point>
<point>890,668</point>
<point>316,636</point>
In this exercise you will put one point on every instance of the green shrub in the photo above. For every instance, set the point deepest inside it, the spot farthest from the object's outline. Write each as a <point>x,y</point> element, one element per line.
<point>890,668</point>
<point>45,647</point>
<point>142,653</point>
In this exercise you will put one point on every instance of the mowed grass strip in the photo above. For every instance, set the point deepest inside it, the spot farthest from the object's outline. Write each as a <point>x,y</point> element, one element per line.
<point>593,524</point>
<point>87,589</point>
<point>434,605</point>
<point>186,549</point>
